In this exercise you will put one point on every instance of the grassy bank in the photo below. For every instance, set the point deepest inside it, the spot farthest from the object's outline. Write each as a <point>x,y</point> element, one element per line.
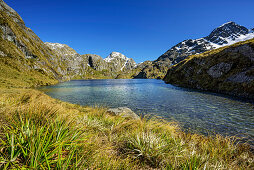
<point>39,132</point>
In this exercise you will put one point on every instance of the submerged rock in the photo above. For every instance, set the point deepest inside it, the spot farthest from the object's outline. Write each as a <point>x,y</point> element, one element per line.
<point>123,111</point>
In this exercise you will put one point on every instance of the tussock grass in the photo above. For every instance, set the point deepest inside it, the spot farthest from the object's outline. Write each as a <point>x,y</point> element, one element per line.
<point>38,132</point>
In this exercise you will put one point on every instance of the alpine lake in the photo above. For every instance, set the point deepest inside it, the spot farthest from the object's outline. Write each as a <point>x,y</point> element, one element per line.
<point>195,111</point>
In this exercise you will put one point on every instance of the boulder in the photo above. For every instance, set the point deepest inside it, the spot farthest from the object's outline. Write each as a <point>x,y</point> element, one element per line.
<point>218,70</point>
<point>123,111</point>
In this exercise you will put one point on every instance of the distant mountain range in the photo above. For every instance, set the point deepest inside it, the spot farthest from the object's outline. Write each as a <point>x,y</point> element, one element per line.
<point>115,62</point>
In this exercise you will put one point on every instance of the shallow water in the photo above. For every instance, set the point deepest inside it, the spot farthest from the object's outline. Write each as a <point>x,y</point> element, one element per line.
<point>206,113</point>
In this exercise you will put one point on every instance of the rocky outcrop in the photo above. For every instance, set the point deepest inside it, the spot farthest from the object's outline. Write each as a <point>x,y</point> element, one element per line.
<point>124,112</point>
<point>228,70</point>
<point>219,69</point>
<point>69,63</point>
<point>96,62</point>
<point>61,49</point>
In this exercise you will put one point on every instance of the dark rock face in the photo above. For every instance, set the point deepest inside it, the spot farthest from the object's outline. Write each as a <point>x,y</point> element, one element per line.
<point>228,70</point>
<point>96,62</point>
<point>218,70</point>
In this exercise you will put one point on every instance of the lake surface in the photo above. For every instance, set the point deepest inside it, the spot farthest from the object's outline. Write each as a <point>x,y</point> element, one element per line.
<point>196,111</point>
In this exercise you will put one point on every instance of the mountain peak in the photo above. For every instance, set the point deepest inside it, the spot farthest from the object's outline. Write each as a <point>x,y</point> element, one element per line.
<point>229,30</point>
<point>115,55</point>
<point>228,23</point>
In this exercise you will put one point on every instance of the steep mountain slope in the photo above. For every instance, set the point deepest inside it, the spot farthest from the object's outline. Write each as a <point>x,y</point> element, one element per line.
<point>24,59</point>
<point>228,70</point>
<point>73,64</point>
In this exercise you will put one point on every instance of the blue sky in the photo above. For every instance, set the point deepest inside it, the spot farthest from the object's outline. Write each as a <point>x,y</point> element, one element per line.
<point>140,29</point>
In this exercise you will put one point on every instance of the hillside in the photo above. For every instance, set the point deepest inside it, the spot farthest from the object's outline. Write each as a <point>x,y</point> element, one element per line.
<point>228,70</point>
<point>24,59</point>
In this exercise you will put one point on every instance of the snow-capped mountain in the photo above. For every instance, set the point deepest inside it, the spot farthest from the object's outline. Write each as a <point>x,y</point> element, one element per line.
<point>226,34</point>
<point>120,61</point>
<point>115,55</point>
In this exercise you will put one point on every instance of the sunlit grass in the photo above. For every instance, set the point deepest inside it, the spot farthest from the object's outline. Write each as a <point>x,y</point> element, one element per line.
<point>38,132</point>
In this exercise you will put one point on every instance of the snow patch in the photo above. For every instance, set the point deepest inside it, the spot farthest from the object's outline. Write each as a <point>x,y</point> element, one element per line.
<point>231,40</point>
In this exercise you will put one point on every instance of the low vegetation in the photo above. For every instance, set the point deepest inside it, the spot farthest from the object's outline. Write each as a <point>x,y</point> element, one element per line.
<point>38,132</point>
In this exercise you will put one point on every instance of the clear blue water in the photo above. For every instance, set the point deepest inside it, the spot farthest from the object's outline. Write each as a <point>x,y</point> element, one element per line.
<point>195,111</point>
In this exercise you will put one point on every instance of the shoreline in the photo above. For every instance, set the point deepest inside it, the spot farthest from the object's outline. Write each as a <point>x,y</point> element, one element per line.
<point>185,129</point>
<point>156,131</point>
